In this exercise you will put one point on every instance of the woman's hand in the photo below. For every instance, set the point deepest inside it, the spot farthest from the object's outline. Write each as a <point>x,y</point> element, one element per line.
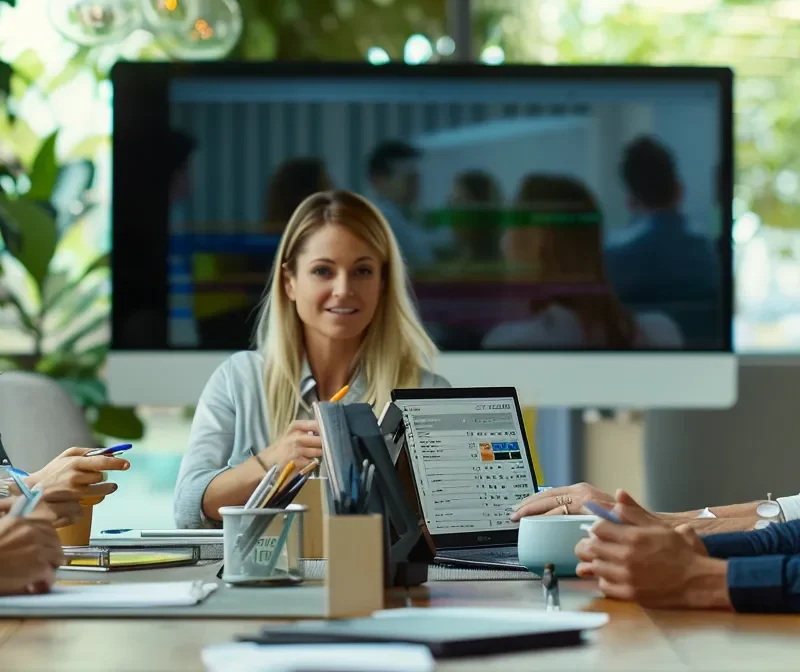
<point>79,475</point>
<point>552,502</point>
<point>301,444</point>
<point>60,507</point>
<point>30,552</point>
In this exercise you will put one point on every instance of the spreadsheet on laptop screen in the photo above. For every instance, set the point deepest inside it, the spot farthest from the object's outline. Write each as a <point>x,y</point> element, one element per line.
<point>469,462</point>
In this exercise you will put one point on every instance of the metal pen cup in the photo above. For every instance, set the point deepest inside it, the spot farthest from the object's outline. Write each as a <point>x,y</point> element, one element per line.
<point>263,546</point>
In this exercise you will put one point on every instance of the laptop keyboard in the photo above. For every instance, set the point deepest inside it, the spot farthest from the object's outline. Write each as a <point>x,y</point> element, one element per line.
<point>505,557</point>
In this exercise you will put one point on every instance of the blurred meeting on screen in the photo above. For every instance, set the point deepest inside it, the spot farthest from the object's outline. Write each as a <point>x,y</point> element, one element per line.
<point>566,216</point>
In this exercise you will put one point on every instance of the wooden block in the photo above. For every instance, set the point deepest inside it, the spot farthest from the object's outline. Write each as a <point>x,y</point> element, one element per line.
<point>354,580</point>
<point>311,496</point>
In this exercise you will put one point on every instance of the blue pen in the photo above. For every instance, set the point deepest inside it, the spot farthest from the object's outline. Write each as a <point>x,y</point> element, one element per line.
<point>113,450</point>
<point>116,531</point>
<point>24,489</point>
<point>597,510</point>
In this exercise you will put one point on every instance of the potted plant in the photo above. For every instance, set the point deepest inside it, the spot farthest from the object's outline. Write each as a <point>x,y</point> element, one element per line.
<point>55,278</point>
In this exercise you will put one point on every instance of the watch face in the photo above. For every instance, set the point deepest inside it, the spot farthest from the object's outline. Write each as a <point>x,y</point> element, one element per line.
<point>768,510</point>
<point>761,524</point>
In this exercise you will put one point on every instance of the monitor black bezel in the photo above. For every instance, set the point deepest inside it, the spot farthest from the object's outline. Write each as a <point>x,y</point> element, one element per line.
<point>507,537</point>
<point>140,307</point>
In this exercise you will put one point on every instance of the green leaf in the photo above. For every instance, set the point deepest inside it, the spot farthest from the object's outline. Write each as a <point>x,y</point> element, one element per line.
<point>45,170</point>
<point>84,365</point>
<point>29,66</point>
<point>20,291</point>
<point>18,87</point>
<point>38,234</point>
<point>5,78</point>
<point>85,392</point>
<point>76,306</point>
<point>119,422</point>
<point>74,66</point>
<point>93,325</point>
<point>259,42</point>
<point>88,148</point>
<point>23,140</point>
<point>104,261</point>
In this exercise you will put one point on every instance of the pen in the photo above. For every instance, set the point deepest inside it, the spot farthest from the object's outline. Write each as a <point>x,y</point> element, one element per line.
<point>24,505</point>
<point>113,450</point>
<point>338,396</point>
<point>287,495</point>
<point>24,489</point>
<point>281,479</point>
<point>367,488</point>
<point>261,489</point>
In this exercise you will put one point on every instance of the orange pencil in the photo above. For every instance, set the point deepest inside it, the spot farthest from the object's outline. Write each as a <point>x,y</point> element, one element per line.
<point>288,469</point>
<point>338,396</point>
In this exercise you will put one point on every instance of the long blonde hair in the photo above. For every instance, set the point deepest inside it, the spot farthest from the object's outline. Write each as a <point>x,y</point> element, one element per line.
<point>395,345</point>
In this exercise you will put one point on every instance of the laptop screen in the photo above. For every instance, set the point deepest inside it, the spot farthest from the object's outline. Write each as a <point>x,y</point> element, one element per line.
<point>469,461</point>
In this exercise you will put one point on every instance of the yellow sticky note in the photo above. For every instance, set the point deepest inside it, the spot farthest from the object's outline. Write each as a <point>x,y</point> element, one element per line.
<point>529,420</point>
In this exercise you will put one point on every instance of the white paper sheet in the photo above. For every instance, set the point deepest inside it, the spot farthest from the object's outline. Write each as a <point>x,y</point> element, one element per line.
<point>116,596</point>
<point>247,657</point>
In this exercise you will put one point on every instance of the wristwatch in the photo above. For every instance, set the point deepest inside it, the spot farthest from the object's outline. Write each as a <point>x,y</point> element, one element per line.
<point>769,512</point>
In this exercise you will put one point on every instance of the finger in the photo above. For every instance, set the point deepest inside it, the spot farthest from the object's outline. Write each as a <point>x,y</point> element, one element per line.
<point>584,570</point>
<point>310,453</point>
<point>616,591</point>
<point>102,463</point>
<point>584,550</point>
<point>604,505</point>
<point>305,426</point>
<point>609,572</point>
<point>539,496</point>
<point>633,514</point>
<point>622,497</point>
<point>558,511</point>
<point>75,452</point>
<point>100,490</point>
<point>608,531</point>
<point>309,440</point>
<point>59,494</point>
<point>83,479</point>
<point>608,551</point>
<point>688,534</point>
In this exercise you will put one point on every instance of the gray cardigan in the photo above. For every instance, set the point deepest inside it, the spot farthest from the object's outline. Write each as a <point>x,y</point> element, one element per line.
<point>231,418</point>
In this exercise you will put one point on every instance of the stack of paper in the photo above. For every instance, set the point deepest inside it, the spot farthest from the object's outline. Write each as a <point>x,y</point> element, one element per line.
<point>312,657</point>
<point>116,596</point>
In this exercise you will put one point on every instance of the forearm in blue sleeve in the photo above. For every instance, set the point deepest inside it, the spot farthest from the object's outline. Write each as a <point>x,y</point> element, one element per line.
<point>777,539</point>
<point>765,584</point>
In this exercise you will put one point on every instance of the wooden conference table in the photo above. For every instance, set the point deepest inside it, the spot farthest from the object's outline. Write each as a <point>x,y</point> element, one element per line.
<point>634,639</point>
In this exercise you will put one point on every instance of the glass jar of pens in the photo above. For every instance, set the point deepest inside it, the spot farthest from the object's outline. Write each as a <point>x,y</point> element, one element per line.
<point>263,540</point>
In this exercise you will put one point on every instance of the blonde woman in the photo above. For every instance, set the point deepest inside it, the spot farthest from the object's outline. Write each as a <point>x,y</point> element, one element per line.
<point>337,312</point>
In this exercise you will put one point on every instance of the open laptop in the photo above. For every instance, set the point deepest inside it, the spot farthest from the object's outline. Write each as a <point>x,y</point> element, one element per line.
<point>469,462</point>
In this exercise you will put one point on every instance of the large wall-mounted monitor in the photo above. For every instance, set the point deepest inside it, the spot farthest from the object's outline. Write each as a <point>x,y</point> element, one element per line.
<point>567,229</point>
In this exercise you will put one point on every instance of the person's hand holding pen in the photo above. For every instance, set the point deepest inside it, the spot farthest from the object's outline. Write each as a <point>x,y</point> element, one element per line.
<point>301,444</point>
<point>73,472</point>
<point>30,553</point>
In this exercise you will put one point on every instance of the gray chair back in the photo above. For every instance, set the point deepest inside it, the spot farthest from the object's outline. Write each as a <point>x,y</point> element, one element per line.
<point>38,420</point>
